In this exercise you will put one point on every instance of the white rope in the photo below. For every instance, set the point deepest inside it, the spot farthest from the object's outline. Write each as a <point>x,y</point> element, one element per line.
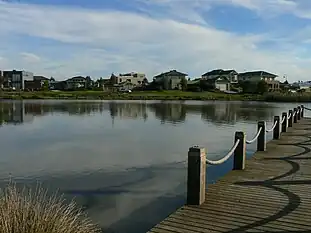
<point>294,114</point>
<point>255,138</point>
<point>307,108</point>
<point>270,130</point>
<point>224,159</point>
<point>290,115</point>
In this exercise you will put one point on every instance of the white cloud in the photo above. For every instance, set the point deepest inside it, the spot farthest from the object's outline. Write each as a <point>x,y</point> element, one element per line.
<point>30,57</point>
<point>101,42</point>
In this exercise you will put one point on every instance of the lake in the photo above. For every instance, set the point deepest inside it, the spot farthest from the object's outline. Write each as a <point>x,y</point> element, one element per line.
<point>122,161</point>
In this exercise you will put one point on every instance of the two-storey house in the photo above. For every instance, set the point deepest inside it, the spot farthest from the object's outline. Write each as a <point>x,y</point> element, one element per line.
<point>170,80</point>
<point>231,75</point>
<point>257,76</point>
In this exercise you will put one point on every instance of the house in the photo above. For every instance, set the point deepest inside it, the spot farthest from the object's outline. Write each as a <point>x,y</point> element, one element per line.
<point>230,75</point>
<point>37,83</point>
<point>32,85</point>
<point>41,79</point>
<point>136,79</point>
<point>221,83</point>
<point>303,86</point>
<point>58,85</point>
<point>125,82</point>
<point>15,79</point>
<point>257,76</point>
<point>125,86</point>
<point>194,85</point>
<point>170,80</point>
<point>78,82</point>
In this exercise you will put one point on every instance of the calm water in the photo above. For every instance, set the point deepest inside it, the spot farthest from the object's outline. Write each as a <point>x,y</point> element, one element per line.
<point>122,161</point>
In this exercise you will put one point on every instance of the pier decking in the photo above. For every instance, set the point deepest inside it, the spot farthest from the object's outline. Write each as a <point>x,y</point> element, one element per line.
<point>272,193</point>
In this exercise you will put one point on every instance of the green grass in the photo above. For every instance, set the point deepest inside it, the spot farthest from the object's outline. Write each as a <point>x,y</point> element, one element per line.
<point>156,95</point>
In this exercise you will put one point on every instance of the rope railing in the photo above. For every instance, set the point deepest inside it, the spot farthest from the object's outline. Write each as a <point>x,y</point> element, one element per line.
<point>255,138</point>
<point>224,159</point>
<point>197,160</point>
<point>270,130</point>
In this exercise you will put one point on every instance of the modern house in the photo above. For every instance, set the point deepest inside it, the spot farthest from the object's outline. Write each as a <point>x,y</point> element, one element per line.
<point>257,76</point>
<point>15,79</point>
<point>136,79</point>
<point>170,80</point>
<point>128,81</point>
<point>230,75</point>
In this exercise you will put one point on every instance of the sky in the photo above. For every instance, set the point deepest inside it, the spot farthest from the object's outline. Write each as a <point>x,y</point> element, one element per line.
<point>64,38</point>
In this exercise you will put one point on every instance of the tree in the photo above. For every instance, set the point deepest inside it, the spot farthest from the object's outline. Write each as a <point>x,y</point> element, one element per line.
<point>46,85</point>
<point>88,82</point>
<point>262,87</point>
<point>183,83</point>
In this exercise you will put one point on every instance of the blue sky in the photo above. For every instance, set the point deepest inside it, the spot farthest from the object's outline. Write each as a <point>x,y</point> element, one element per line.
<point>62,38</point>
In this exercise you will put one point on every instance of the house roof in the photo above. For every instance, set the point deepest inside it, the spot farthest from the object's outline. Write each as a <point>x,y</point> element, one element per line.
<point>219,72</point>
<point>171,73</point>
<point>38,77</point>
<point>76,77</point>
<point>195,81</point>
<point>257,73</point>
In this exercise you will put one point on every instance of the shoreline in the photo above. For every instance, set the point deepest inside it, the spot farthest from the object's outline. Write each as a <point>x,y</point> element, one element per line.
<point>154,95</point>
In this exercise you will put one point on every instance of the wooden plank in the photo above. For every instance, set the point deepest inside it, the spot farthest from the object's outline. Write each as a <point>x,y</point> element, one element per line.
<point>273,194</point>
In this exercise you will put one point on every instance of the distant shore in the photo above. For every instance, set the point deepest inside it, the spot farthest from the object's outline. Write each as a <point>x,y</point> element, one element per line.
<point>154,95</point>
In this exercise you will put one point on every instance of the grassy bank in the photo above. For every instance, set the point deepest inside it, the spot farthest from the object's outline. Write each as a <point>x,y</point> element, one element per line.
<point>156,95</point>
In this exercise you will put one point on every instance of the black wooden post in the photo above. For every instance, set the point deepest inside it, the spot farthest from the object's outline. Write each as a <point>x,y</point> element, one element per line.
<point>276,131</point>
<point>299,113</point>
<point>290,118</point>
<point>261,141</point>
<point>284,123</point>
<point>295,117</point>
<point>240,151</point>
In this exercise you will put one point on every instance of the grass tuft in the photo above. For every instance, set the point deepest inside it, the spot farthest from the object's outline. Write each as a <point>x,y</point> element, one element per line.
<point>34,211</point>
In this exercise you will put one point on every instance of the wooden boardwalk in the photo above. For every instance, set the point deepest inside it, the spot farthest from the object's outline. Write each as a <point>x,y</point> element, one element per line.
<point>273,193</point>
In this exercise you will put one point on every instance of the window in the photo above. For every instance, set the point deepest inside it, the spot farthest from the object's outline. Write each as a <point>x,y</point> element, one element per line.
<point>120,80</point>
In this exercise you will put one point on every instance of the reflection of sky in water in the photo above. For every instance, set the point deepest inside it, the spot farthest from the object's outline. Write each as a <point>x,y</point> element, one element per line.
<point>118,166</point>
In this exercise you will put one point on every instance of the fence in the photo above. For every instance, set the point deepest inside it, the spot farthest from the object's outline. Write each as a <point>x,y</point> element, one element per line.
<point>196,180</point>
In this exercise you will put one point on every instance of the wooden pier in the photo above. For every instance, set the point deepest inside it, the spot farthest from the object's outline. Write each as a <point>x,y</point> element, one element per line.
<point>271,192</point>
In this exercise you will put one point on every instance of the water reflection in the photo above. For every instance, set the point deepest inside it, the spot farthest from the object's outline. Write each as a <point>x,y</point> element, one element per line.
<point>17,112</point>
<point>122,161</point>
<point>14,113</point>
